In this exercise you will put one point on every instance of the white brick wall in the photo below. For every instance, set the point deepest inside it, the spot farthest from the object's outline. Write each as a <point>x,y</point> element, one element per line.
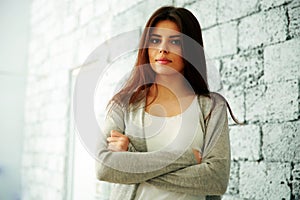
<point>205,11</point>
<point>283,146</point>
<point>233,9</point>
<point>260,29</point>
<point>256,44</point>
<point>281,61</point>
<point>265,180</point>
<point>245,142</point>
<point>221,40</point>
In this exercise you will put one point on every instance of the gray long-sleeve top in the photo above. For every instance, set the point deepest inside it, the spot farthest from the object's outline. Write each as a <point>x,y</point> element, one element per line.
<point>175,171</point>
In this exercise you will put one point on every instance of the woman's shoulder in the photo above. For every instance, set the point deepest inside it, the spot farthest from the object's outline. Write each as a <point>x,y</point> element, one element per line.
<point>212,97</point>
<point>211,100</point>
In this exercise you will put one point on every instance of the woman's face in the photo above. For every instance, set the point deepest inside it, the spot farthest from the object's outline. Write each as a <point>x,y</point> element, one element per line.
<point>165,50</point>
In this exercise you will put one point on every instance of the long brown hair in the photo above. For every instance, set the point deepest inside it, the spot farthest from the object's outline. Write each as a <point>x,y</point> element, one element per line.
<point>142,76</point>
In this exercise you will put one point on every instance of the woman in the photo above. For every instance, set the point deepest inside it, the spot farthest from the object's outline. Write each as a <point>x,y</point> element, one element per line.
<point>166,135</point>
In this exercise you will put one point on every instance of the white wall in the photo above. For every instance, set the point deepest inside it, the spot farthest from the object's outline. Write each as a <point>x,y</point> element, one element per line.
<point>14,23</point>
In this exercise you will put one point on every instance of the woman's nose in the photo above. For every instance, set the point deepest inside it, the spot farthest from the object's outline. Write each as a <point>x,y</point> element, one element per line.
<point>163,51</point>
<point>163,48</point>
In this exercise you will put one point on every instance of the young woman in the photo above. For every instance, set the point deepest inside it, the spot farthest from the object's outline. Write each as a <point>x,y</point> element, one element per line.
<point>166,135</point>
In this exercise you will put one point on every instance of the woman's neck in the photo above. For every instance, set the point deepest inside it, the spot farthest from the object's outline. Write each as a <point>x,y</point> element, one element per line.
<point>169,87</point>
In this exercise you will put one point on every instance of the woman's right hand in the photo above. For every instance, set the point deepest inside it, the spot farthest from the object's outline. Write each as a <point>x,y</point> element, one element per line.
<point>197,155</point>
<point>117,141</point>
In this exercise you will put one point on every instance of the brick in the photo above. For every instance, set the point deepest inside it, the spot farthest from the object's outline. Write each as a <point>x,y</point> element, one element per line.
<point>220,40</point>
<point>250,175</point>
<point>56,163</point>
<point>137,16</point>
<point>102,7</point>
<point>60,62</point>
<point>100,55</point>
<point>280,142</point>
<point>60,79</point>
<point>233,186</point>
<point>41,160</point>
<point>275,33</point>
<point>281,61</point>
<point>35,45</point>
<point>49,194</point>
<point>230,197</point>
<point>265,4</point>
<point>117,7</point>
<point>243,70</point>
<point>205,11</point>
<point>240,72</point>
<point>59,95</point>
<point>278,175</point>
<point>39,57</point>
<point>236,100</point>
<point>272,102</point>
<point>58,128</point>
<point>86,14</point>
<point>36,5</point>
<point>258,29</point>
<point>296,181</point>
<point>228,34</point>
<point>255,103</point>
<point>86,46</point>
<point>233,9</point>
<point>26,159</point>
<point>281,101</point>
<point>272,179</point>
<point>35,191</point>
<point>38,175</point>
<point>31,117</point>
<point>148,8</point>
<point>77,5</point>
<point>98,27</point>
<point>213,74</point>
<point>53,27</point>
<point>245,142</point>
<point>60,145</point>
<point>70,23</point>
<point>31,147</point>
<point>126,57</point>
<point>40,9</point>
<point>294,3</point>
<point>294,20</point>
<point>48,145</point>
<point>182,3</point>
<point>254,68</point>
<point>57,181</point>
<point>56,111</point>
<point>107,85</point>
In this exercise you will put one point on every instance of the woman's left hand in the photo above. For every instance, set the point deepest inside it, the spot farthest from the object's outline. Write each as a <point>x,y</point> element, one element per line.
<point>117,141</point>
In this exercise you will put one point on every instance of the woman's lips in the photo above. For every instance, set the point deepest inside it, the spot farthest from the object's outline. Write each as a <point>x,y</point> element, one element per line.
<point>163,61</point>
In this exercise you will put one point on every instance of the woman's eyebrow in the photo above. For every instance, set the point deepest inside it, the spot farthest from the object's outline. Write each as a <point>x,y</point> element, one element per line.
<point>172,36</point>
<point>155,35</point>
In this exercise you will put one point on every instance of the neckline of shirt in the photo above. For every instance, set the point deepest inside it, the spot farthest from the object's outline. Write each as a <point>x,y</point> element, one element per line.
<point>174,116</point>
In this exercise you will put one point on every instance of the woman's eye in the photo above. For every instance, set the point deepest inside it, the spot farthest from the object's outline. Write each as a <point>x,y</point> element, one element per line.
<point>176,42</point>
<point>154,41</point>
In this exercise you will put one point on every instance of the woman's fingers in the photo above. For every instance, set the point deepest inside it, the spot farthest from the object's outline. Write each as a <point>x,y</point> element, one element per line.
<point>117,141</point>
<point>114,133</point>
<point>197,155</point>
<point>114,147</point>
<point>117,146</point>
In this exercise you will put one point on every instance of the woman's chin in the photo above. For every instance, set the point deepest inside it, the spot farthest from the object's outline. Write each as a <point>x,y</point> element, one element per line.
<point>165,70</point>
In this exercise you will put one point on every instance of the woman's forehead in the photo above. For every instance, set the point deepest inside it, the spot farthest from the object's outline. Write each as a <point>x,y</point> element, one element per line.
<point>166,27</point>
